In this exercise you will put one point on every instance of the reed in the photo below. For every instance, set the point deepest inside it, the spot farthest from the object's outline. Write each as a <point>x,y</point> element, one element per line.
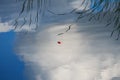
<point>98,10</point>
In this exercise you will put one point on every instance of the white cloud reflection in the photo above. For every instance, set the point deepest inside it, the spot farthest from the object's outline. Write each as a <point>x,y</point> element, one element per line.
<point>86,53</point>
<point>4,27</point>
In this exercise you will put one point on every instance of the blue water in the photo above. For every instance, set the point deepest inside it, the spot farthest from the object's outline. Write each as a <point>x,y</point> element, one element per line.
<point>11,68</point>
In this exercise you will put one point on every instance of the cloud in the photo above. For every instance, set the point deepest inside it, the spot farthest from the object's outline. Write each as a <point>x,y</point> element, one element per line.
<point>5,27</point>
<point>86,53</point>
<point>78,4</point>
<point>9,12</point>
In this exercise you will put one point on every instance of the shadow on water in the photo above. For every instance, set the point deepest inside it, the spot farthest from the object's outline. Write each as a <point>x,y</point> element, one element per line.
<point>116,78</point>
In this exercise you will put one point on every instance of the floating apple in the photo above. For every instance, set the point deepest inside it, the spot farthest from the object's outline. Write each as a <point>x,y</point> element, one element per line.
<point>59,42</point>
